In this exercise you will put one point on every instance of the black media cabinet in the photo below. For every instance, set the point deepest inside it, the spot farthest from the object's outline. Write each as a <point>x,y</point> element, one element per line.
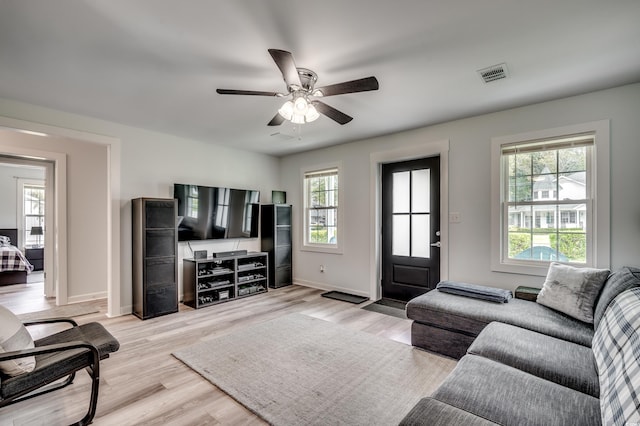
<point>219,279</point>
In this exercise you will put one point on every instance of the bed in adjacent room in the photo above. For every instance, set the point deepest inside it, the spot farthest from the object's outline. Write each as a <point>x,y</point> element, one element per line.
<point>14,266</point>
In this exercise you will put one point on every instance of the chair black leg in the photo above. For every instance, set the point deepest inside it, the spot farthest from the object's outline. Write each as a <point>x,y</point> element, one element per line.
<point>94,373</point>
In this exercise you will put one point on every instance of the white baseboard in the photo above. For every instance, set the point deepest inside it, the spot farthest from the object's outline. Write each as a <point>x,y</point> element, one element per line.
<point>87,297</point>
<point>324,286</point>
<point>125,310</point>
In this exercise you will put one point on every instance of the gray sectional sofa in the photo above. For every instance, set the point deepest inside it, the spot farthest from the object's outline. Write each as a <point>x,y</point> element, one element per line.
<point>525,364</point>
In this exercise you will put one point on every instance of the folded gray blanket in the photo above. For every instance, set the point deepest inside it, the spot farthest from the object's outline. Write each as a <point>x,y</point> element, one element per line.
<point>476,291</point>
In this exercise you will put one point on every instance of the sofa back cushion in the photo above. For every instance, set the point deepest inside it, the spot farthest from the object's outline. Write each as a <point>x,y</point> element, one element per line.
<point>616,347</point>
<point>619,281</point>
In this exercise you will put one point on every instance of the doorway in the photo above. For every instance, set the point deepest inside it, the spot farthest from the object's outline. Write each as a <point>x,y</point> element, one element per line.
<point>410,218</point>
<point>28,208</point>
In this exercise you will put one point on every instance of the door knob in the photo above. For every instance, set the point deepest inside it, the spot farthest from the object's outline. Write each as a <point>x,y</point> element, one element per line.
<point>436,244</point>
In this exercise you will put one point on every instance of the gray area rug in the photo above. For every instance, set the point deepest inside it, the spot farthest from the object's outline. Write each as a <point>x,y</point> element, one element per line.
<point>297,370</point>
<point>67,311</point>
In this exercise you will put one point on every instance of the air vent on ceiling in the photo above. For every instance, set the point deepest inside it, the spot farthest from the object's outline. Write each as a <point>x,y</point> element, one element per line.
<point>494,72</point>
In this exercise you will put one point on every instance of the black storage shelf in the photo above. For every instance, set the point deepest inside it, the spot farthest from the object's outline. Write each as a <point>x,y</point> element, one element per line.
<point>276,240</point>
<point>201,290</point>
<point>154,260</point>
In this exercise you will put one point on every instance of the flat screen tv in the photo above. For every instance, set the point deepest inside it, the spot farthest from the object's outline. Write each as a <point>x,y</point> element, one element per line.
<point>210,213</point>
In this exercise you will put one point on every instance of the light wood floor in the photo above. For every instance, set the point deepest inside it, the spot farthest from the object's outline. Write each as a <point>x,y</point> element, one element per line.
<point>143,383</point>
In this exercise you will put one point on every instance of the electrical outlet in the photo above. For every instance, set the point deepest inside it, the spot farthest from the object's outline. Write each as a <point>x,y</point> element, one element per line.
<point>321,268</point>
<point>455,217</point>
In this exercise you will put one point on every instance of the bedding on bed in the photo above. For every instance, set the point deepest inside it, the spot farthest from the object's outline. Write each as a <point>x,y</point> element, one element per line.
<point>12,259</point>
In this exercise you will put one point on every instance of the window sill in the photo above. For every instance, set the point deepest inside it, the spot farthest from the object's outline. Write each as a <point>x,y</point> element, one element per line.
<point>539,269</point>
<point>322,249</point>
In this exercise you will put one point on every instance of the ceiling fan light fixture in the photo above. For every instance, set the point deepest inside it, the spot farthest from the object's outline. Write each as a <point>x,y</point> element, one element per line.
<point>286,110</point>
<point>299,111</point>
<point>297,119</point>
<point>301,105</point>
<point>312,114</point>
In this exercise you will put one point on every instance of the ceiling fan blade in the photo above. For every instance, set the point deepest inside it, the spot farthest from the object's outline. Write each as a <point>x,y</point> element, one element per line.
<point>246,92</point>
<point>360,85</point>
<point>331,112</point>
<point>276,120</point>
<point>284,61</point>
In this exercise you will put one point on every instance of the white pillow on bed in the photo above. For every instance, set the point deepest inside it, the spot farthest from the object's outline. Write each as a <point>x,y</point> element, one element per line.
<point>4,240</point>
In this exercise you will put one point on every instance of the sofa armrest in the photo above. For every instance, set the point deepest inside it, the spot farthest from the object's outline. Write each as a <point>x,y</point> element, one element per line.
<point>527,293</point>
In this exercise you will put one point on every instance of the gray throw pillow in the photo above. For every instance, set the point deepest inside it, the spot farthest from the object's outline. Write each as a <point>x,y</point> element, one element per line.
<point>572,291</point>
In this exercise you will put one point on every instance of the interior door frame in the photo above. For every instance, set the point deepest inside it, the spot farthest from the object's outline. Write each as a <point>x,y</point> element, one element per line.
<point>426,149</point>
<point>114,302</point>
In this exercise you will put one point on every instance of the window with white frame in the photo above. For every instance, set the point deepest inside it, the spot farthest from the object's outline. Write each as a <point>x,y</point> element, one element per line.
<point>33,214</point>
<point>321,199</point>
<point>547,200</point>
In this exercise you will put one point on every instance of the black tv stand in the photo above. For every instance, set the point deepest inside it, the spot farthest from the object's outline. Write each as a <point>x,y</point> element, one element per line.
<point>214,280</point>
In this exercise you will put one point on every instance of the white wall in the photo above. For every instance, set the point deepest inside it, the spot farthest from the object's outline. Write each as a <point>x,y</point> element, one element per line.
<point>150,163</point>
<point>9,173</point>
<point>469,188</point>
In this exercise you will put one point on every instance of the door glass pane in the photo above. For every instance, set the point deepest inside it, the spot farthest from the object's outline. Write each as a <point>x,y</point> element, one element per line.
<point>401,192</point>
<point>400,239</point>
<point>420,235</point>
<point>420,191</point>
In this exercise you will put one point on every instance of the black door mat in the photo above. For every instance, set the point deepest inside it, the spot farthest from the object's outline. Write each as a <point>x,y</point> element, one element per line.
<point>345,297</point>
<point>390,307</point>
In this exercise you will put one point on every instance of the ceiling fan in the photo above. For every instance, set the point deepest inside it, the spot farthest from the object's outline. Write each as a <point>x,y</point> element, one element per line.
<point>303,107</point>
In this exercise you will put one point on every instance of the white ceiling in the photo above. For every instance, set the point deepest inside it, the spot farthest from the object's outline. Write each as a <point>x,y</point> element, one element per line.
<point>155,64</point>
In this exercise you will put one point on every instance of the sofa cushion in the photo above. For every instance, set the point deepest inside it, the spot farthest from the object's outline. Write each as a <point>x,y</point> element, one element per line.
<point>556,360</point>
<point>431,412</point>
<point>470,316</point>
<point>572,290</point>
<point>619,281</point>
<point>14,337</point>
<point>508,396</point>
<point>616,346</point>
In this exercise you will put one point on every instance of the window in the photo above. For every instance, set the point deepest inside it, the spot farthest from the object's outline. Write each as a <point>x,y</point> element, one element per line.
<point>559,166</point>
<point>33,214</point>
<point>321,200</point>
<point>548,203</point>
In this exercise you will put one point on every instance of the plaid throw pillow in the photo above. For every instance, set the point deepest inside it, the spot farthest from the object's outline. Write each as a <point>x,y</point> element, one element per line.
<point>616,347</point>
